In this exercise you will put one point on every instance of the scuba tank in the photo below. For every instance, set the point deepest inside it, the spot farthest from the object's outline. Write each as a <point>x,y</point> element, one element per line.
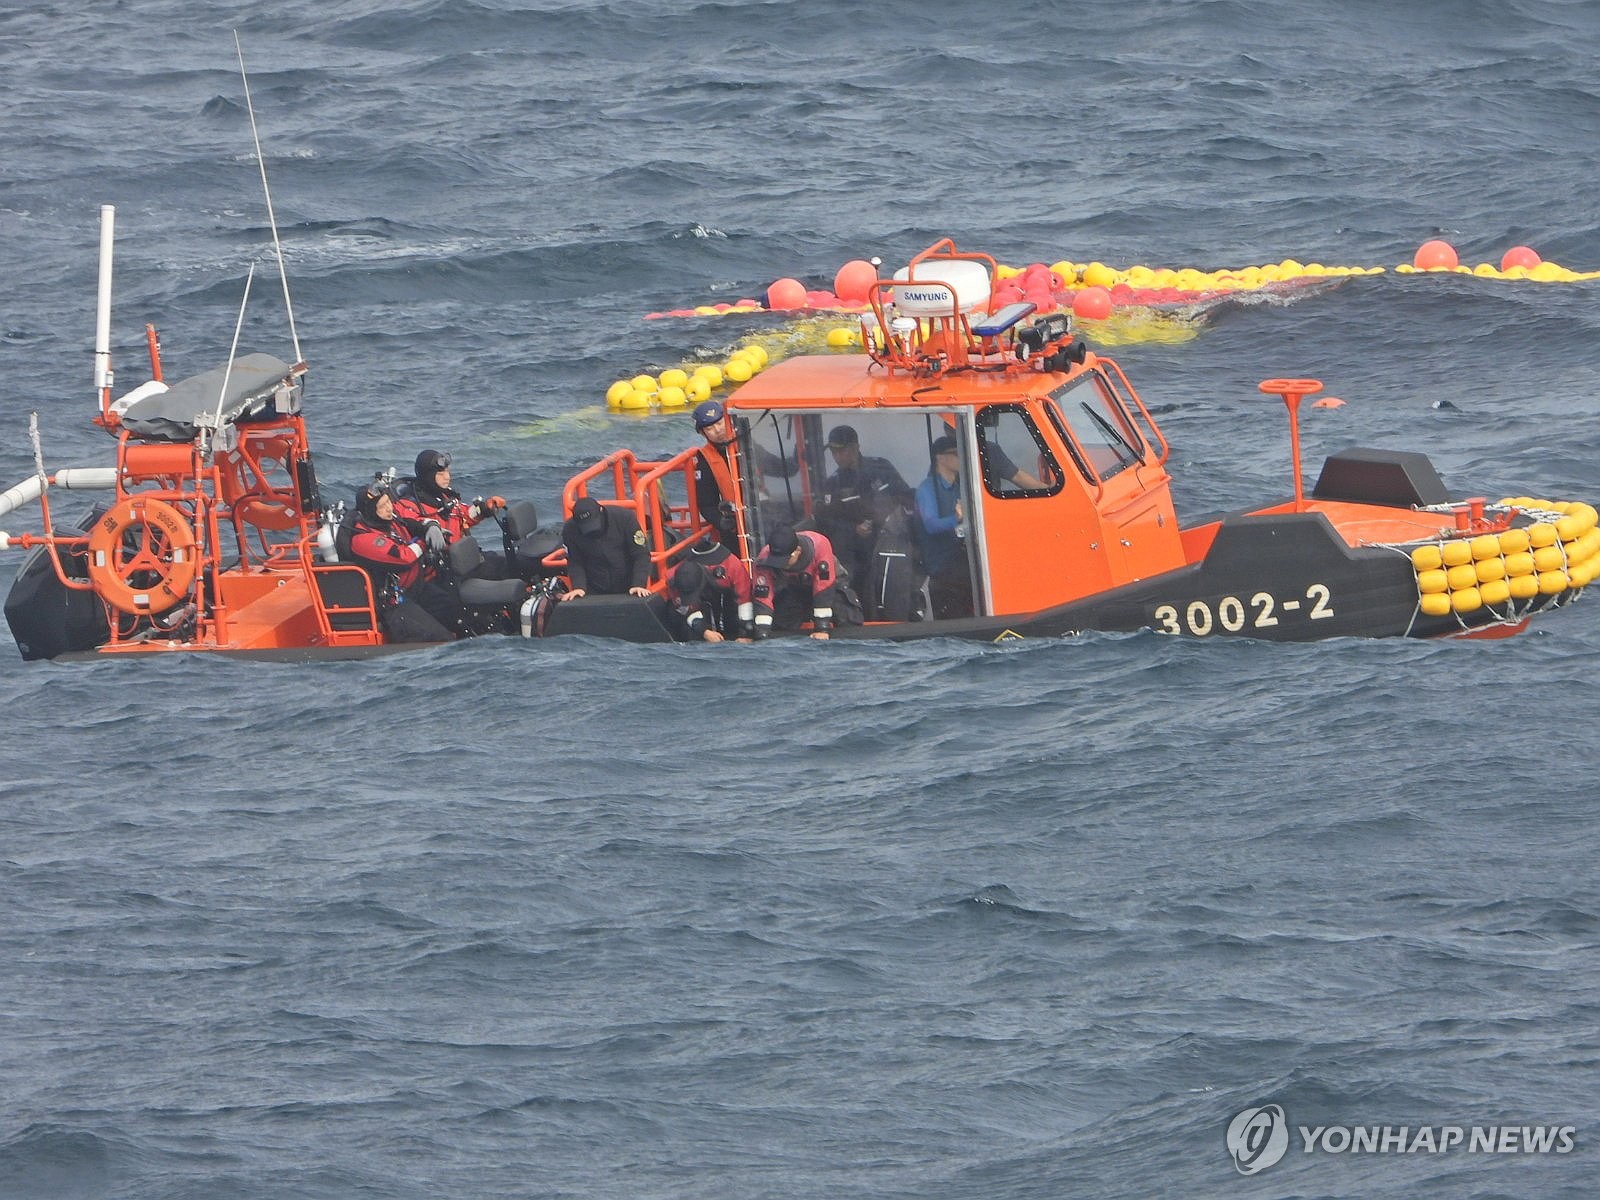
<point>327,542</point>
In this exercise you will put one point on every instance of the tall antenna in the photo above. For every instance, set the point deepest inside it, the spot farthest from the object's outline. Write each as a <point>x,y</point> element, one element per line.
<point>272,219</point>
<point>233,352</point>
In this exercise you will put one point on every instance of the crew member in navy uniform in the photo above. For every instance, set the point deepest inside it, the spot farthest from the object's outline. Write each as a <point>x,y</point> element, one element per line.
<point>856,500</point>
<point>795,571</point>
<point>398,554</point>
<point>711,591</point>
<point>944,549</point>
<point>607,553</point>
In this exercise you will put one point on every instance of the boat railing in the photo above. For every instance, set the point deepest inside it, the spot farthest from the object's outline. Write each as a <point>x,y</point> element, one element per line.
<point>1148,423</point>
<point>643,485</point>
<point>342,599</point>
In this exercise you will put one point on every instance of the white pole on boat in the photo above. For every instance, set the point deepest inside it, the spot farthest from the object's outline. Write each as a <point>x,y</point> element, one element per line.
<point>102,323</point>
<point>222,392</point>
<point>272,219</point>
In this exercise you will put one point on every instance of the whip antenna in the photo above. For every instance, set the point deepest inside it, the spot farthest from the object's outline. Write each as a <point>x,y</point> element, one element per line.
<point>233,351</point>
<point>272,219</point>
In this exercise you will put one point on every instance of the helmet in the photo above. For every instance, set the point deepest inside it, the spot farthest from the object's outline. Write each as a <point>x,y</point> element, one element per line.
<point>708,412</point>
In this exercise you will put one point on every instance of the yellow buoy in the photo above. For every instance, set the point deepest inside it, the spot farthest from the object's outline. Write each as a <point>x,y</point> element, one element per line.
<point>1496,591</point>
<point>757,352</point>
<point>1427,558</point>
<point>711,373</point>
<point>1520,564</point>
<point>838,339</point>
<point>738,370</point>
<point>1542,533</point>
<point>617,391</point>
<point>1485,546</point>
<point>1097,274</point>
<point>1549,558</point>
<point>644,383</point>
<point>699,390</point>
<point>1457,552</point>
<point>1523,587</point>
<point>1431,582</point>
<point>1436,604</point>
<point>1551,582</point>
<point>672,397</point>
<point>636,400</point>
<point>1514,541</point>
<point>1490,568</point>
<point>1462,576</point>
<point>674,378</point>
<point>1466,600</point>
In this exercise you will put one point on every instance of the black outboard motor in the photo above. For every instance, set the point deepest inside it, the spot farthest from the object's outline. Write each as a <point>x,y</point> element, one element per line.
<point>48,619</point>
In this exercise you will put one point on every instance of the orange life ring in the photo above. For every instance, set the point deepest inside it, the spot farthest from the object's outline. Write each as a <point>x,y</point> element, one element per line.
<point>151,575</point>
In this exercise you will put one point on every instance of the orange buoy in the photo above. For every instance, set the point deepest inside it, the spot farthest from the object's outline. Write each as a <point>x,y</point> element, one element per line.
<point>1434,256</point>
<point>1520,256</point>
<point>854,280</point>
<point>1092,304</point>
<point>786,294</point>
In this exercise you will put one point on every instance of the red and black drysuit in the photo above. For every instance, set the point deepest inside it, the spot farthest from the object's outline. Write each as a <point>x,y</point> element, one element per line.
<point>812,581</point>
<point>723,602</point>
<point>412,606</point>
<point>455,517</point>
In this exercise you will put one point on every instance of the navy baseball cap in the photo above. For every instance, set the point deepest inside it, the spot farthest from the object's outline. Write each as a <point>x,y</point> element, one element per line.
<point>708,412</point>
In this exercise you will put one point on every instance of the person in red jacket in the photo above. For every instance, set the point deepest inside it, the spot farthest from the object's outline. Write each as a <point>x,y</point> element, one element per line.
<point>399,553</point>
<point>433,499</point>
<point>794,571</point>
<point>711,592</point>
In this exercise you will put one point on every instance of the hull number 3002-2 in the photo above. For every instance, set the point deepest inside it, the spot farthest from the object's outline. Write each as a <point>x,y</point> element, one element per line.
<point>1233,615</point>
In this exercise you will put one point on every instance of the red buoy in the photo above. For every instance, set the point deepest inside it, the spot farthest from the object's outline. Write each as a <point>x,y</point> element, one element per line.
<point>1435,255</point>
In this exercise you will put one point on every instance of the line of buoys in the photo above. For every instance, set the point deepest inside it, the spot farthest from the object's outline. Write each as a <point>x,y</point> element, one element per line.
<point>678,388</point>
<point>1066,285</point>
<point>1519,262</point>
<point>1559,551</point>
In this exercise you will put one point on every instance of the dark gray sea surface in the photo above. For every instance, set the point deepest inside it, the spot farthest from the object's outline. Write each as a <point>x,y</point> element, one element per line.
<point>581,919</point>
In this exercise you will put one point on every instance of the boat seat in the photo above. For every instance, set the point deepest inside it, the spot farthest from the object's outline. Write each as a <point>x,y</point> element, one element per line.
<point>521,519</point>
<point>465,557</point>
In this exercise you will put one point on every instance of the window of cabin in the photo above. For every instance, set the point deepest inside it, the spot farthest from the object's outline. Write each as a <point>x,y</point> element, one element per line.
<point>1089,409</point>
<point>791,471</point>
<point>1016,462</point>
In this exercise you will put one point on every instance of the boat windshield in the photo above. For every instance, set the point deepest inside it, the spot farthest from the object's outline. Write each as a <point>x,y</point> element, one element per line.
<point>1090,418</point>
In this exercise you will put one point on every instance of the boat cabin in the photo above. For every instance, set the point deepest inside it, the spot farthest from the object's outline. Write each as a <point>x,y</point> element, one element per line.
<point>1058,467</point>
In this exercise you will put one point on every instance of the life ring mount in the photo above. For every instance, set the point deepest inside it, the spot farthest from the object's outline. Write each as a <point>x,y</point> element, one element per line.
<point>141,556</point>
